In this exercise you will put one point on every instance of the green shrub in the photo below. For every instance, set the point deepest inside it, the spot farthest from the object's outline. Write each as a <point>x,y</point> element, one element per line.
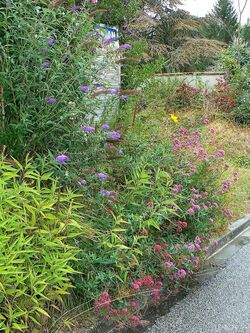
<point>37,222</point>
<point>45,53</point>
<point>235,61</point>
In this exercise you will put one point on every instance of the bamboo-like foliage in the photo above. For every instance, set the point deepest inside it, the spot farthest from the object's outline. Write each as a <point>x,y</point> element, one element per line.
<point>36,225</point>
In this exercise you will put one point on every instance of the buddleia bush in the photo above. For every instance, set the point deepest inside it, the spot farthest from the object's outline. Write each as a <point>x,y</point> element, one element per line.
<point>46,56</point>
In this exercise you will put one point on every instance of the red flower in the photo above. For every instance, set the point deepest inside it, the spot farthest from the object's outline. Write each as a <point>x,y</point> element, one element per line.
<point>159,284</point>
<point>150,204</point>
<point>148,281</point>
<point>157,247</point>
<point>124,311</point>
<point>135,320</point>
<point>143,232</point>
<point>133,304</point>
<point>105,294</point>
<point>183,224</point>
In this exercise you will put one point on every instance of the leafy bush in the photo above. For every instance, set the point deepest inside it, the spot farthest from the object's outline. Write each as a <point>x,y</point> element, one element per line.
<point>47,54</point>
<point>137,204</point>
<point>235,61</point>
<point>186,95</point>
<point>223,97</point>
<point>37,223</point>
<point>242,112</point>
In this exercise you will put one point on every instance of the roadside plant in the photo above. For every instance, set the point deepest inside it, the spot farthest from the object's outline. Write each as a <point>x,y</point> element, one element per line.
<point>48,74</point>
<point>38,224</point>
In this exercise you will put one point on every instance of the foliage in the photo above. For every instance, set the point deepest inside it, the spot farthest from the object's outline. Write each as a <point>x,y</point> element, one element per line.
<point>241,113</point>
<point>245,33</point>
<point>235,61</point>
<point>37,223</point>
<point>186,95</point>
<point>185,46</point>
<point>141,204</point>
<point>222,23</point>
<point>224,97</point>
<point>43,67</point>
<point>154,188</point>
<point>138,71</point>
<point>169,32</point>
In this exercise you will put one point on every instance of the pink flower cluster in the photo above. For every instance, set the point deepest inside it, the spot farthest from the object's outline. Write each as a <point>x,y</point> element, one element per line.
<point>226,186</point>
<point>227,212</point>
<point>104,306</point>
<point>177,188</point>
<point>190,142</point>
<point>104,302</point>
<point>146,282</point>
<point>181,225</point>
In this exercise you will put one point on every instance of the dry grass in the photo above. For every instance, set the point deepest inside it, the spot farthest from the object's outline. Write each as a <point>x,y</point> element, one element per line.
<point>236,143</point>
<point>233,139</point>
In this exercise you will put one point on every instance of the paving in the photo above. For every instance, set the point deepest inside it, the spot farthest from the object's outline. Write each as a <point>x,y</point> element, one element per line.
<point>220,304</point>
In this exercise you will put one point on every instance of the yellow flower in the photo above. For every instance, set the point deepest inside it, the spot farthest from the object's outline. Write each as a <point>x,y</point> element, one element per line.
<point>174,118</point>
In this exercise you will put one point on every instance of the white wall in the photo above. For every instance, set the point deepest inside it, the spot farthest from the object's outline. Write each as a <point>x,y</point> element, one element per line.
<point>205,79</point>
<point>110,72</point>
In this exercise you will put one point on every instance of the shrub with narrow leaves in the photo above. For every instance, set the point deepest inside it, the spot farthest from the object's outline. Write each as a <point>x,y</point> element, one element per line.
<point>37,222</point>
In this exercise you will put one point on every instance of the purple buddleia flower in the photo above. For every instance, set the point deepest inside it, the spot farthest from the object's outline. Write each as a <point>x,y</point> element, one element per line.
<point>106,193</point>
<point>87,128</point>
<point>62,159</point>
<point>114,91</point>
<point>114,135</point>
<point>46,64</point>
<point>82,182</point>
<point>126,47</point>
<point>51,100</point>
<point>105,126</point>
<point>85,88</point>
<point>75,8</point>
<point>51,41</point>
<point>102,176</point>
<point>108,41</point>
<point>98,85</point>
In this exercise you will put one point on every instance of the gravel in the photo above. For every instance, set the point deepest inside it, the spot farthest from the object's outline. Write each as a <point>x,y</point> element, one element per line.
<point>221,305</point>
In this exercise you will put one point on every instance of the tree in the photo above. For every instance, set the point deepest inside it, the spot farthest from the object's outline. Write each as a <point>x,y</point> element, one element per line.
<point>245,32</point>
<point>222,22</point>
<point>166,30</point>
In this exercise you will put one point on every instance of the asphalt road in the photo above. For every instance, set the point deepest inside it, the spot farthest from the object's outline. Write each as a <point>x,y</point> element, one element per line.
<point>220,305</point>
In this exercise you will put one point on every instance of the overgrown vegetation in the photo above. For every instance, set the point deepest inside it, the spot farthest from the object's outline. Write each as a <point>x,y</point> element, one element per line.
<point>39,220</point>
<point>101,213</point>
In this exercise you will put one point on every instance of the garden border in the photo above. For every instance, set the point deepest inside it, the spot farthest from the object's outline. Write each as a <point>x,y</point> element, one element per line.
<point>235,229</point>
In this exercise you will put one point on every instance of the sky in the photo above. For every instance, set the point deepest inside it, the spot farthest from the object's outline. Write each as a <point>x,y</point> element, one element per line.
<point>202,7</point>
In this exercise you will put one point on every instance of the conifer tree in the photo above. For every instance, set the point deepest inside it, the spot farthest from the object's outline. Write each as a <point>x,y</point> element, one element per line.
<point>222,22</point>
